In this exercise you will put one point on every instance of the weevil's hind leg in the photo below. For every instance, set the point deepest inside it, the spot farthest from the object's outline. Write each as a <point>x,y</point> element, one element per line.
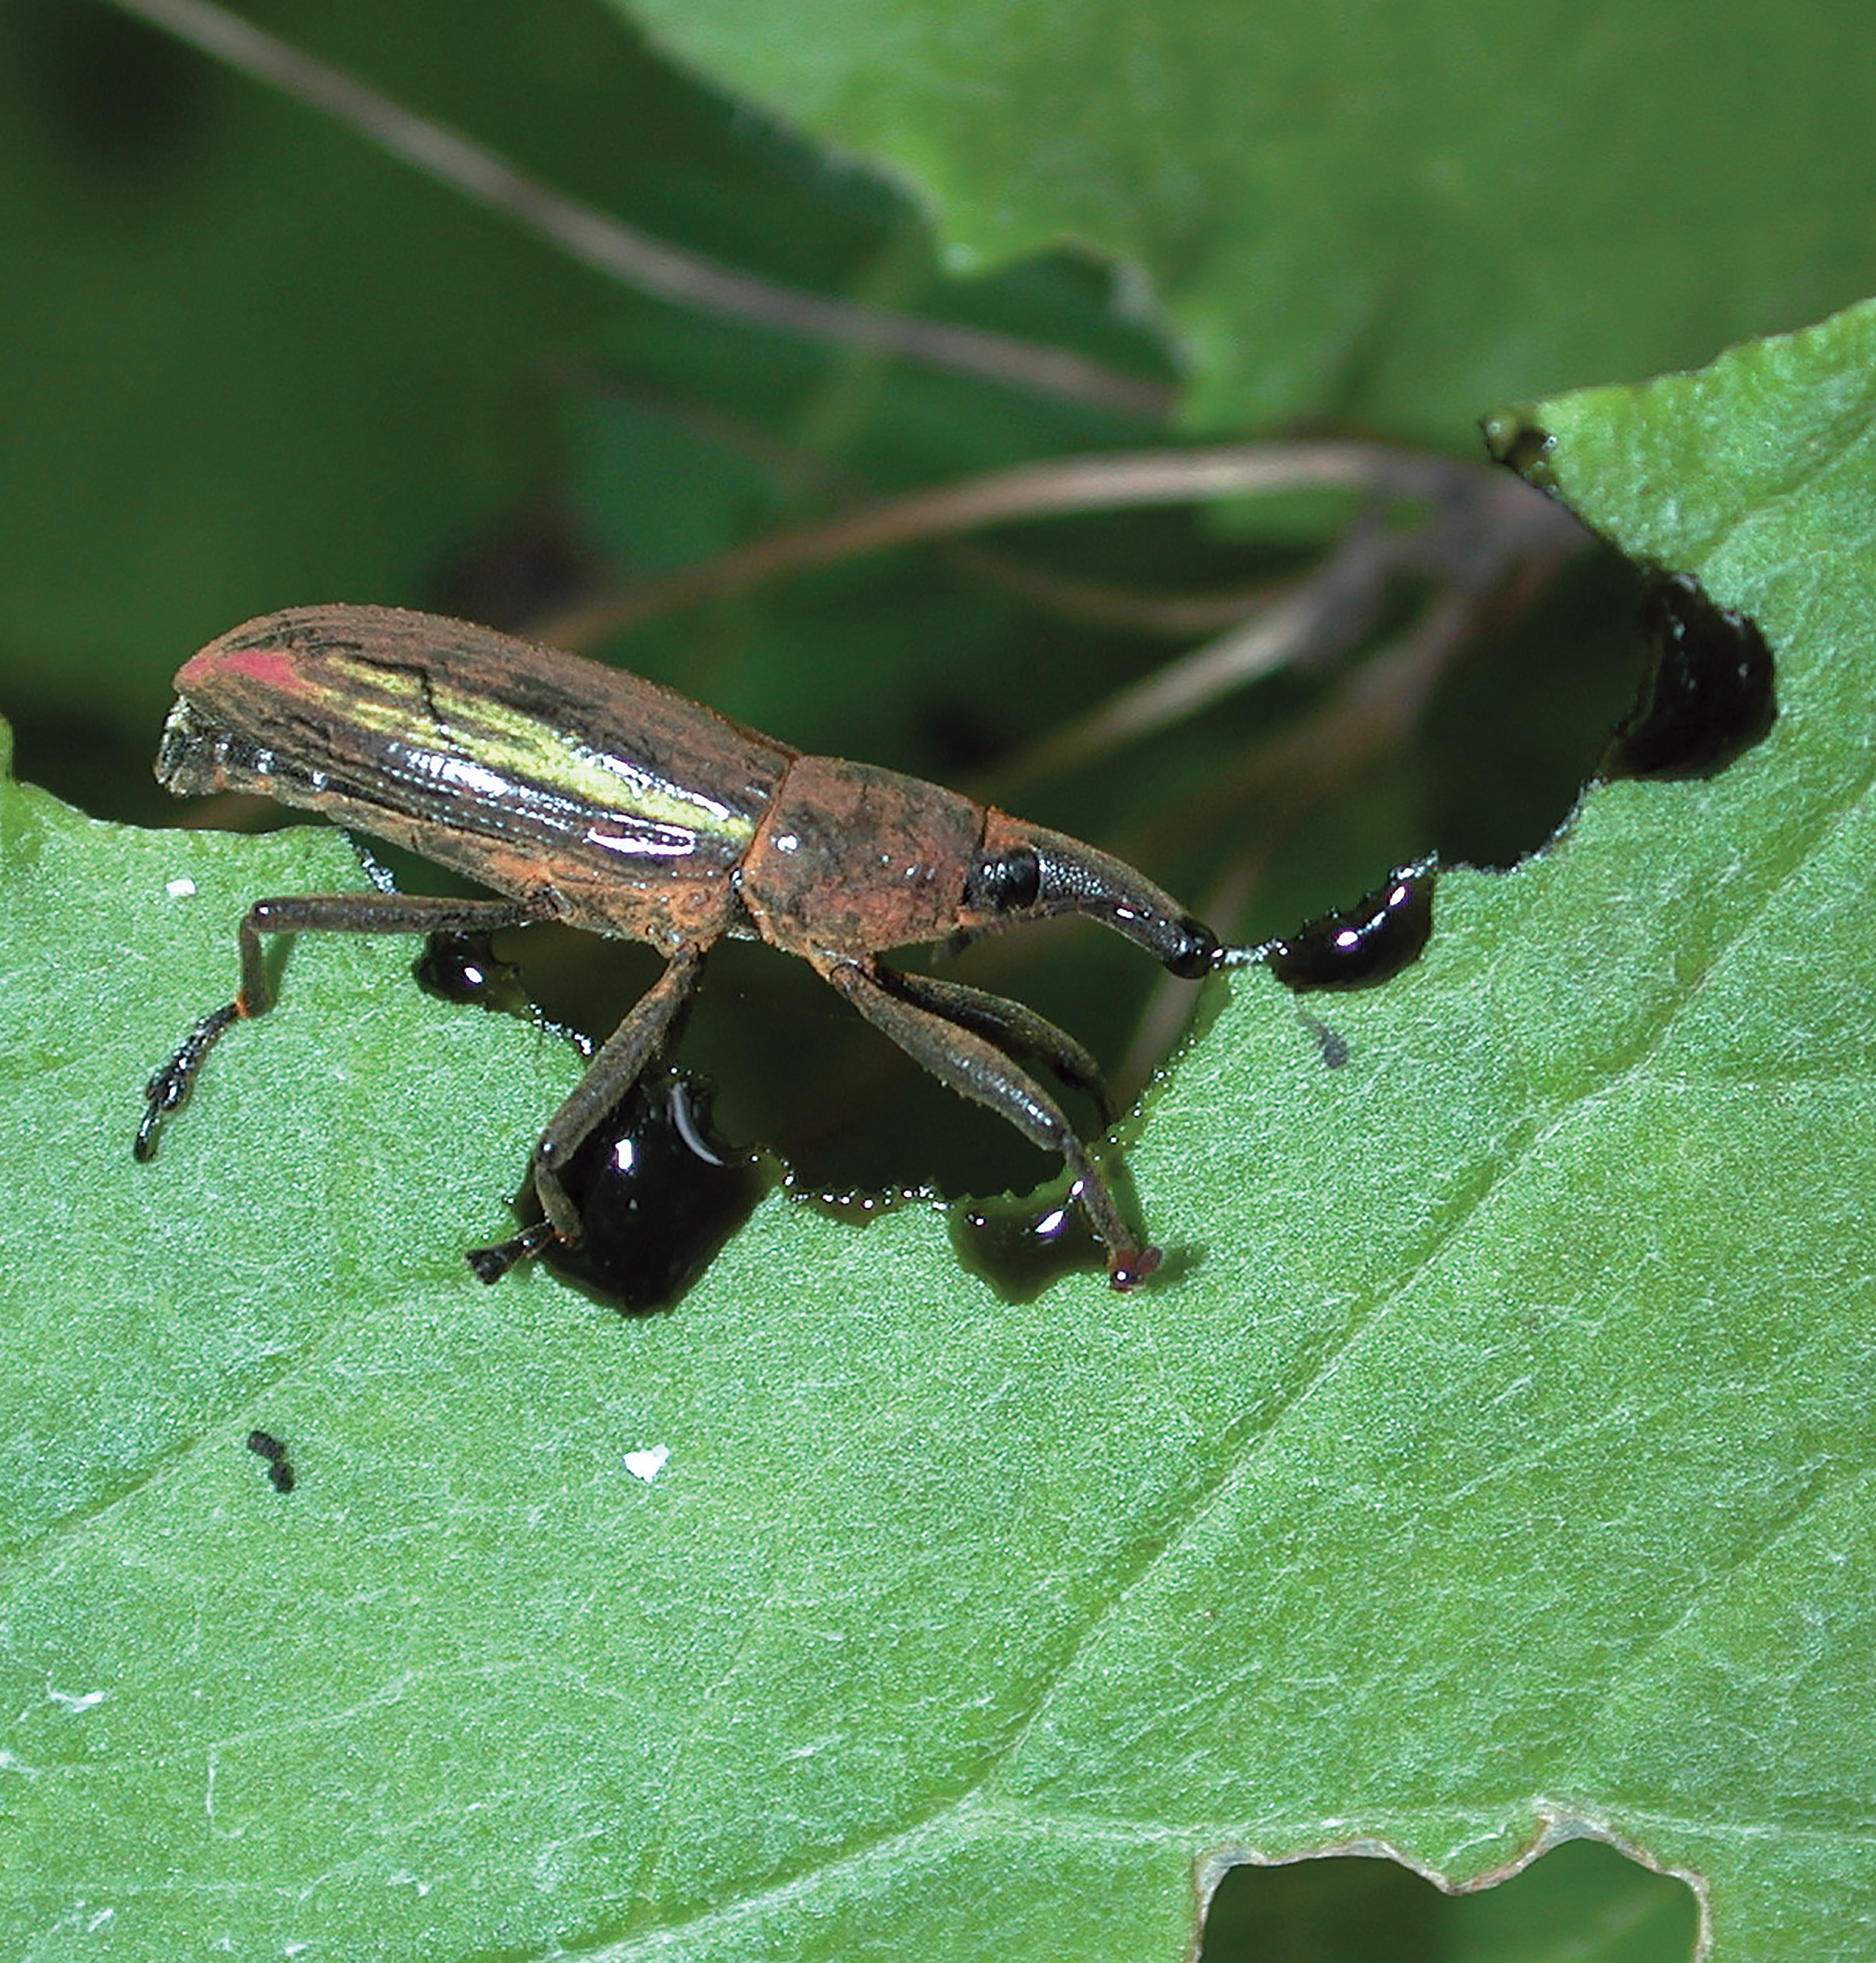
<point>616,1065</point>
<point>975,1068</point>
<point>1018,1031</point>
<point>168,1089</point>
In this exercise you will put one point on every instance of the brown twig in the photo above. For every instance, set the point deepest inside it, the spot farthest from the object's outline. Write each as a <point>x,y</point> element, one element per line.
<point>633,257</point>
<point>1093,603</point>
<point>1485,525</point>
<point>1053,488</point>
<point>1368,717</point>
<point>1330,608</point>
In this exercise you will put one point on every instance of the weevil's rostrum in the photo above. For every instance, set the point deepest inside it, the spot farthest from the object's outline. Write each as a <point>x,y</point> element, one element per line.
<point>590,797</point>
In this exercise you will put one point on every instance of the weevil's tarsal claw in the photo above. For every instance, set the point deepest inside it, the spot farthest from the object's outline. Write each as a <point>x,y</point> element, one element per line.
<point>1127,1267</point>
<point>490,1264</point>
<point>168,1089</point>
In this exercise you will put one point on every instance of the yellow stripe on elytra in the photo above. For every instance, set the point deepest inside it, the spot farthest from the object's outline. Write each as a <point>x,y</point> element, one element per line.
<point>398,705</point>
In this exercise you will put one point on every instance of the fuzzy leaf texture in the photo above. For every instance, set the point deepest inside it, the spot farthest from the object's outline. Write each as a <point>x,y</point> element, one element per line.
<point>1495,1466</point>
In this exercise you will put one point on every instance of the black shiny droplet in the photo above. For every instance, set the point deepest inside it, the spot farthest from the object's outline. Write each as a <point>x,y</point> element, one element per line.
<point>1022,1247</point>
<point>1367,944</point>
<point>1711,696</point>
<point>462,968</point>
<point>658,1192</point>
<point>1524,447</point>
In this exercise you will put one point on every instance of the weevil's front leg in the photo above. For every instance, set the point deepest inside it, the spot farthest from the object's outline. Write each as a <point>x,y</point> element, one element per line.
<point>1014,1029</point>
<point>975,1068</point>
<point>327,913</point>
<point>616,1065</point>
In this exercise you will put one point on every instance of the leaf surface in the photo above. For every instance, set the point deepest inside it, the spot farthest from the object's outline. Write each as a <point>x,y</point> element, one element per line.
<point>1493,1465</point>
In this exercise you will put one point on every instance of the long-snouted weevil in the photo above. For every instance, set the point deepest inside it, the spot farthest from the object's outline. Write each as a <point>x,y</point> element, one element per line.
<point>591,797</point>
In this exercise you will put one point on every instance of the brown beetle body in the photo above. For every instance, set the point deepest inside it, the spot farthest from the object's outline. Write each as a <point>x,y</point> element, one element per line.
<point>594,798</point>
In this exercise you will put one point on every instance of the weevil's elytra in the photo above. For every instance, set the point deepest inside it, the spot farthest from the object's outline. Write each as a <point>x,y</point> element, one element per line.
<point>588,795</point>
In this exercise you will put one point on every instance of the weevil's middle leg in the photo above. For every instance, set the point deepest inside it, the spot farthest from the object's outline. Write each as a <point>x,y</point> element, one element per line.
<point>616,1065</point>
<point>974,1067</point>
<point>168,1089</point>
<point>1016,1029</point>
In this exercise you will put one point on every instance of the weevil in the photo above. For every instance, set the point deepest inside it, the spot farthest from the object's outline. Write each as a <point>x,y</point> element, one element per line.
<point>585,795</point>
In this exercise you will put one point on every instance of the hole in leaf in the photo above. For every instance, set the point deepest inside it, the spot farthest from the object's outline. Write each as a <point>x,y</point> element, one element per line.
<point>1583,1899</point>
<point>658,1192</point>
<point>1711,696</point>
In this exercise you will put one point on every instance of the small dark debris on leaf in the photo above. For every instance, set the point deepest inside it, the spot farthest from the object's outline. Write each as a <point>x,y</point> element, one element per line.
<point>1333,1044</point>
<point>274,1450</point>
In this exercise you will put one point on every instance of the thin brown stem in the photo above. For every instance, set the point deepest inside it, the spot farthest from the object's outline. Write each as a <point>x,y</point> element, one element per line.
<point>1053,488</point>
<point>1297,772</point>
<point>1332,608</point>
<point>1486,523</point>
<point>1093,602</point>
<point>633,257</point>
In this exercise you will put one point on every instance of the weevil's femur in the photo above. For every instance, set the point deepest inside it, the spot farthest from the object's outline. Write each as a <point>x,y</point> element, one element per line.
<point>1027,872</point>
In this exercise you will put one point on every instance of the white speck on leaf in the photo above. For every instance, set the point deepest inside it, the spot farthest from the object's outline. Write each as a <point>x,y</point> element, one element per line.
<point>70,1703</point>
<point>649,1464</point>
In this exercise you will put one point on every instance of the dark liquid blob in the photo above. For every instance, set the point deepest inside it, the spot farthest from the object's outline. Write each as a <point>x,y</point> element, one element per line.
<point>1368,944</point>
<point>1711,696</point>
<point>461,968</point>
<point>1022,1247</point>
<point>658,1193</point>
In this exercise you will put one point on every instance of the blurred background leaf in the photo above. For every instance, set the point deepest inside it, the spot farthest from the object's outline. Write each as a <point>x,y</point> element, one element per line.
<point>1362,214</point>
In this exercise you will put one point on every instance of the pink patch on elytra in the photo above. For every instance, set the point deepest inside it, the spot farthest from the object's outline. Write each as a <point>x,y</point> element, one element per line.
<point>272,667</point>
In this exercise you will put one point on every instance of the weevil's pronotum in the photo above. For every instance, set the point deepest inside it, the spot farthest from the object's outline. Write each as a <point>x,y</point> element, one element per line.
<point>591,797</point>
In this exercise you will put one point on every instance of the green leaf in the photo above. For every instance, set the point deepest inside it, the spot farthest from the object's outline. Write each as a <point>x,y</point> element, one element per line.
<point>1378,215</point>
<point>1493,1466</point>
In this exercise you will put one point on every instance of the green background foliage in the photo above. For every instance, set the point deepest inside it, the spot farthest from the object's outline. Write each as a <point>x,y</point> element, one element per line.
<point>1361,212</point>
<point>1489,1465</point>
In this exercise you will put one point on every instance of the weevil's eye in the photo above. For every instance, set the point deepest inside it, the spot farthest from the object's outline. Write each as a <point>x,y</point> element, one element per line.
<point>1008,883</point>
